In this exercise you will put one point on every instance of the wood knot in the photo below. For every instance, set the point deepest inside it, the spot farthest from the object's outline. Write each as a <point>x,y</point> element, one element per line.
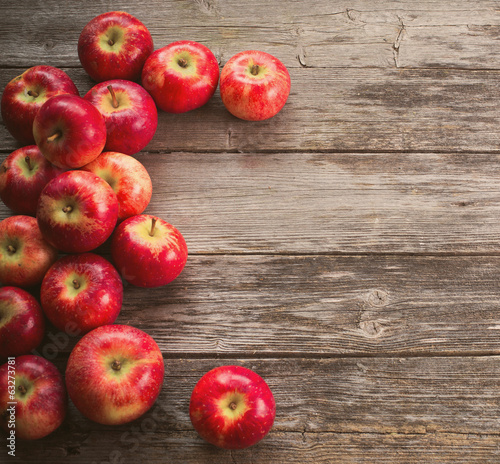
<point>371,328</point>
<point>377,298</point>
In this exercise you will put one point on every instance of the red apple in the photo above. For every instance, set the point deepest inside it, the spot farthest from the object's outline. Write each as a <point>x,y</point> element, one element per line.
<point>232,407</point>
<point>39,395</point>
<point>22,325</point>
<point>129,112</point>
<point>148,251</point>
<point>181,76</point>
<point>77,211</point>
<point>82,292</point>
<point>25,94</point>
<point>128,178</point>
<point>254,85</point>
<point>69,131</point>
<point>114,374</point>
<point>114,45</point>
<point>25,256</point>
<point>23,175</point>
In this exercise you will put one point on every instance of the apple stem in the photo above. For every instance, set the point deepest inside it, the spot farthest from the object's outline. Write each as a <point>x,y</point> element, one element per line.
<point>255,69</point>
<point>67,209</point>
<point>11,250</point>
<point>115,365</point>
<point>111,42</point>
<point>153,224</point>
<point>113,96</point>
<point>76,284</point>
<point>28,162</point>
<point>182,63</point>
<point>54,137</point>
<point>22,389</point>
<point>32,93</point>
<point>233,405</point>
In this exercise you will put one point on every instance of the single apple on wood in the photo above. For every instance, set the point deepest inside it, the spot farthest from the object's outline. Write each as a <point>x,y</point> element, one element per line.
<point>128,178</point>
<point>25,256</point>
<point>148,251</point>
<point>24,95</point>
<point>129,112</point>
<point>254,85</point>
<point>22,324</point>
<point>181,76</point>
<point>114,45</point>
<point>23,175</point>
<point>39,393</point>
<point>69,131</point>
<point>232,407</point>
<point>77,211</point>
<point>82,291</point>
<point>114,374</point>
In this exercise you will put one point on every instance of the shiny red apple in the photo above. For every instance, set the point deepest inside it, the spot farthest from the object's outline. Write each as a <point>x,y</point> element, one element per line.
<point>114,45</point>
<point>24,95</point>
<point>232,407</point>
<point>254,85</point>
<point>39,395</point>
<point>77,211</point>
<point>148,251</point>
<point>129,112</point>
<point>114,374</point>
<point>23,175</point>
<point>181,76</point>
<point>82,291</point>
<point>22,325</point>
<point>25,256</point>
<point>128,178</point>
<point>69,131</point>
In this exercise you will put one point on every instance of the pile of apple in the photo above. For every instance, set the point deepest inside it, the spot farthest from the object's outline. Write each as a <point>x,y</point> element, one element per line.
<point>75,184</point>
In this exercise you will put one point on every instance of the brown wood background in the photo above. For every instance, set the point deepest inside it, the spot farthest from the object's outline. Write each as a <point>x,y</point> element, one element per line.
<point>348,249</point>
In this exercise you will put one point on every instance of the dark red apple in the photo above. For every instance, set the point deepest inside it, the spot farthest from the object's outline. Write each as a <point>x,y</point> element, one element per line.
<point>25,256</point>
<point>23,175</point>
<point>181,76</point>
<point>254,85</point>
<point>129,112</point>
<point>77,211</point>
<point>232,407</point>
<point>114,45</point>
<point>114,374</point>
<point>22,325</point>
<point>81,291</point>
<point>128,178</point>
<point>148,251</point>
<point>24,95</point>
<point>39,395</point>
<point>69,131</point>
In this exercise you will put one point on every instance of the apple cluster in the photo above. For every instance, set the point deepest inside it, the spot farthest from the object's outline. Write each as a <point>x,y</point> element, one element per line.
<point>75,185</point>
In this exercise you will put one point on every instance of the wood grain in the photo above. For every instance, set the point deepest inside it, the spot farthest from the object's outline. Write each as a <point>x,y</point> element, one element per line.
<point>355,410</point>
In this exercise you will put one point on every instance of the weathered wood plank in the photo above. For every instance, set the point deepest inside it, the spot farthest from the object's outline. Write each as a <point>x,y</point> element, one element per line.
<point>342,109</point>
<point>353,410</point>
<point>318,306</point>
<point>317,34</point>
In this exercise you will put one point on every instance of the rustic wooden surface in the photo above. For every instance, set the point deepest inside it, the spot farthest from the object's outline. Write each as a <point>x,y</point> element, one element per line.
<point>348,249</point>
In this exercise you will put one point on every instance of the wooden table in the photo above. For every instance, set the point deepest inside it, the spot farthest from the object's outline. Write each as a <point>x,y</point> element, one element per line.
<point>347,250</point>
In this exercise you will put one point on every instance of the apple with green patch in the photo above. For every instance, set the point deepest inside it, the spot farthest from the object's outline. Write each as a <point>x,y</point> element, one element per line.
<point>254,85</point>
<point>114,45</point>
<point>114,374</point>
<point>77,211</point>
<point>181,76</point>
<point>22,324</point>
<point>148,251</point>
<point>23,175</point>
<point>24,95</point>
<point>82,291</point>
<point>128,178</point>
<point>25,256</point>
<point>129,113</point>
<point>232,407</point>
<point>39,395</point>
